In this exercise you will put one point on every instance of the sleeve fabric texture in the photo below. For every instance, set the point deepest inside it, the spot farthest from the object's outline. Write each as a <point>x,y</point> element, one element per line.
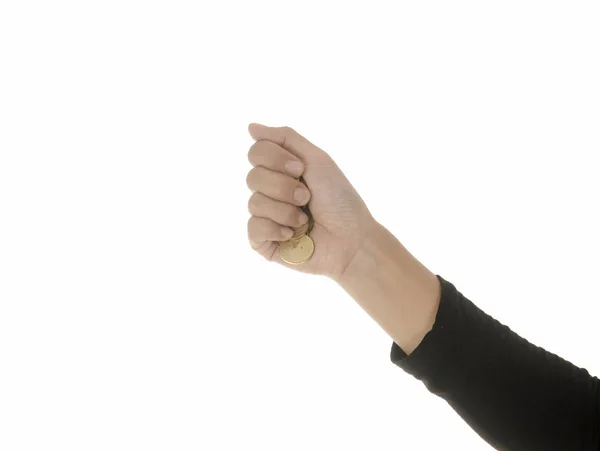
<point>515,395</point>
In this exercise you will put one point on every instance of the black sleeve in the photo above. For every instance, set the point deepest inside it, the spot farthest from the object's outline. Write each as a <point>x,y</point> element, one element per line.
<point>515,395</point>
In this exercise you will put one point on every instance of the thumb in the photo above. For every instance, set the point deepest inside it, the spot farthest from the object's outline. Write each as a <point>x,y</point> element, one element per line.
<point>286,137</point>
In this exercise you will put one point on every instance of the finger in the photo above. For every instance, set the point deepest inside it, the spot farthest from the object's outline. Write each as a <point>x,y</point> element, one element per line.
<point>264,229</point>
<point>286,137</point>
<point>279,212</point>
<point>274,157</point>
<point>277,186</point>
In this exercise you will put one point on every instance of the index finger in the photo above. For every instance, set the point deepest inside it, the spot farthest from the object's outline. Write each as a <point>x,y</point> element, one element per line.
<point>272,156</point>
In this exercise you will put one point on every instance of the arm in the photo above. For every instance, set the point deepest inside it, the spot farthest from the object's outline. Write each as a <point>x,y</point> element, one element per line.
<point>515,395</point>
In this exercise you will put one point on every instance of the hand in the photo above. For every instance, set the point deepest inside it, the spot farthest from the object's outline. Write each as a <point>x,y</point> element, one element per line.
<point>342,220</point>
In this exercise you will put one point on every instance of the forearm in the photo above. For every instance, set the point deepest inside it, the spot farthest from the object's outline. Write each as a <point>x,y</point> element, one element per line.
<point>514,394</point>
<point>394,288</point>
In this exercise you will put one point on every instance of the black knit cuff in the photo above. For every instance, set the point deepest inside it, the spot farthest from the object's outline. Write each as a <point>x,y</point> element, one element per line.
<point>433,350</point>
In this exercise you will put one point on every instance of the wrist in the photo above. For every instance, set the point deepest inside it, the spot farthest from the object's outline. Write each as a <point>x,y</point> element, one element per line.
<point>369,252</point>
<point>393,287</point>
<point>366,246</point>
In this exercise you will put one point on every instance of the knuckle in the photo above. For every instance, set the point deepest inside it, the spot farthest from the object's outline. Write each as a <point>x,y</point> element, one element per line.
<point>253,203</point>
<point>253,227</point>
<point>251,153</point>
<point>255,152</point>
<point>251,178</point>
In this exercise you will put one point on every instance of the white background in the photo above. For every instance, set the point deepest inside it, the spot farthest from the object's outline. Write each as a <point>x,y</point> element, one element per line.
<point>134,314</point>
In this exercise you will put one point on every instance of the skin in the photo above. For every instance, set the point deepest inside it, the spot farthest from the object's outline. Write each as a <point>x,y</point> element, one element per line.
<point>351,247</point>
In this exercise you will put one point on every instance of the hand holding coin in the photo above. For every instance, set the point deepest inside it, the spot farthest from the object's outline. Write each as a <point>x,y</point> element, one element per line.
<point>305,214</point>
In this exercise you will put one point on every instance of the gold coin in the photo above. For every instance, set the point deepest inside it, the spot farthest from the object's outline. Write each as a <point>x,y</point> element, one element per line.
<point>297,250</point>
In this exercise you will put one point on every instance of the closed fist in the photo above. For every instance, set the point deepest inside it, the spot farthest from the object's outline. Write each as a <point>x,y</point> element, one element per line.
<point>342,221</point>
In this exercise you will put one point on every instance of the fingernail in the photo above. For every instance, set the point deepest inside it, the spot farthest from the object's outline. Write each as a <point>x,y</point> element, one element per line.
<point>294,167</point>
<point>300,195</point>
<point>303,217</point>
<point>286,232</point>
